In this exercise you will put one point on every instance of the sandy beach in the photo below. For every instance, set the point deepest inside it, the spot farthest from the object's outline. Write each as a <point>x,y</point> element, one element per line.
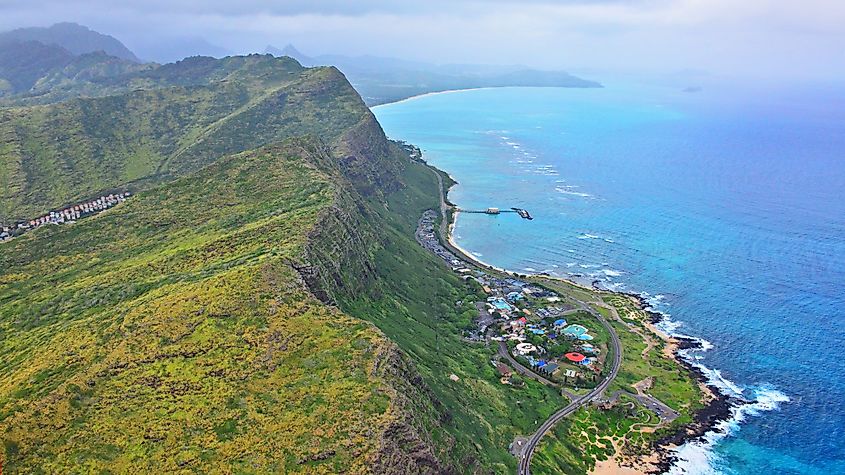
<point>435,93</point>
<point>611,467</point>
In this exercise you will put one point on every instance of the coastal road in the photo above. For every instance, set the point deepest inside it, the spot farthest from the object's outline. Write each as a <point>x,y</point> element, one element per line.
<point>443,229</point>
<point>527,450</point>
<point>444,208</point>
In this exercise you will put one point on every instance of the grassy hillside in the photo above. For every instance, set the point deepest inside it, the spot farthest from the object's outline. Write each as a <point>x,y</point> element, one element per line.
<point>171,332</point>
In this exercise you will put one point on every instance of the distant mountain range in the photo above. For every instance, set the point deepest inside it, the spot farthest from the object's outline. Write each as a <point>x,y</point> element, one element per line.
<point>74,38</point>
<point>380,80</point>
<point>32,72</point>
<point>42,64</point>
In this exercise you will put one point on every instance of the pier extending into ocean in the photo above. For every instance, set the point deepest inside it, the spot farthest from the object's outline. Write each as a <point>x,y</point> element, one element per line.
<point>521,212</point>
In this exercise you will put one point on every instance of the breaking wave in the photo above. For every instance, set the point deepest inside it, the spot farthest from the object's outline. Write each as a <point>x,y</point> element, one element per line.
<point>697,457</point>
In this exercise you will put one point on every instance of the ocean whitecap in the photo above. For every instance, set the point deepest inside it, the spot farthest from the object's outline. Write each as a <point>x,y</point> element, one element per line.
<point>697,457</point>
<point>565,190</point>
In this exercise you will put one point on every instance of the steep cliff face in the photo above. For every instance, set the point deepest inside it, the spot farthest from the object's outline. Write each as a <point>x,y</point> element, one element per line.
<point>371,162</point>
<point>406,446</point>
<point>337,257</point>
<point>339,264</point>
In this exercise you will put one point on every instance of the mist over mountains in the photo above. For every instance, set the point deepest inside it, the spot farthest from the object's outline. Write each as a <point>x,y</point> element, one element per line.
<point>40,65</point>
<point>383,79</point>
<point>74,38</point>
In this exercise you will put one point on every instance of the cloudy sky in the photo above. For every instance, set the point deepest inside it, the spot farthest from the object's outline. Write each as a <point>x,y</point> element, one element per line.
<point>757,38</point>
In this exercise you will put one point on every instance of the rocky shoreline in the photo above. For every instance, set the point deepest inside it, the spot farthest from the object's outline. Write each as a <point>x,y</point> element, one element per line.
<point>718,408</point>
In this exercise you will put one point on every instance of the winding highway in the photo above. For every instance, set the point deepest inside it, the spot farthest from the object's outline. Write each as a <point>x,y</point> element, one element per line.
<point>526,452</point>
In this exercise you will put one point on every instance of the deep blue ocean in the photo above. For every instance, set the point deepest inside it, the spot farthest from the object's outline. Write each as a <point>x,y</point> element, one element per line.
<point>726,207</point>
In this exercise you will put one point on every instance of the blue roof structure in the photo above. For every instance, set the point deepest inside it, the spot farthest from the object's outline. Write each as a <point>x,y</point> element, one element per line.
<point>500,304</point>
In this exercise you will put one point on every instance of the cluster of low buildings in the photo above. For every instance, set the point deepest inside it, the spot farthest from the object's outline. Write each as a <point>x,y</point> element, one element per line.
<point>524,313</point>
<point>533,318</point>
<point>66,215</point>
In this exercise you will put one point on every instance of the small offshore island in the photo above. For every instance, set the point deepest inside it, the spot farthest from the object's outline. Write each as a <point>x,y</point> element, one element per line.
<point>632,397</point>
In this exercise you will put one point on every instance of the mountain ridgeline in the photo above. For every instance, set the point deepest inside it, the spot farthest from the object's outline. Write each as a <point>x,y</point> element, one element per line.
<point>74,38</point>
<point>66,60</point>
<point>259,305</point>
<point>41,65</point>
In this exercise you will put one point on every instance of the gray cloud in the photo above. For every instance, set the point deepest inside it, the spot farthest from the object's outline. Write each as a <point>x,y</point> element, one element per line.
<point>293,7</point>
<point>752,37</point>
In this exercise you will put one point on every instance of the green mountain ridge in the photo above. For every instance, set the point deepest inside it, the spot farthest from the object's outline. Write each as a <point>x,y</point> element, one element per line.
<point>187,339</point>
<point>22,64</point>
<point>37,73</point>
<point>150,135</point>
<point>259,305</point>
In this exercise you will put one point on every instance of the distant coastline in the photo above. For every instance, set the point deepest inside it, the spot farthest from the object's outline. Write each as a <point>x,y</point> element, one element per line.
<point>464,89</point>
<point>445,91</point>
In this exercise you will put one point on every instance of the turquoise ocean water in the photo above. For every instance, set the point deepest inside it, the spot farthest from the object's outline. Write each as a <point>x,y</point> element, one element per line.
<point>725,207</point>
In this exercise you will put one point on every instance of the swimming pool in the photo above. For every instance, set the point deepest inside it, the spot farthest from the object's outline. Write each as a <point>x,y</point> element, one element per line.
<point>574,330</point>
